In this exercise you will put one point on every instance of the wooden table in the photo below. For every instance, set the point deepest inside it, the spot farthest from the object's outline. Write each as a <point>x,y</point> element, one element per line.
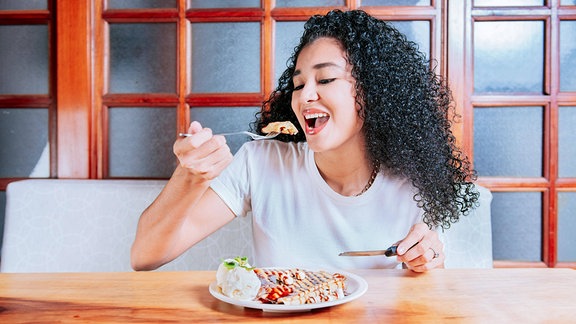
<point>478,296</point>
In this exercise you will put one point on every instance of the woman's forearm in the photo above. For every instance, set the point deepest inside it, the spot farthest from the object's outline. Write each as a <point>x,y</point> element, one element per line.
<point>160,234</point>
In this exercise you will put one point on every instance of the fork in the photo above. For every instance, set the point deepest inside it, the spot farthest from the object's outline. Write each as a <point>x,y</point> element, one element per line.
<point>252,135</point>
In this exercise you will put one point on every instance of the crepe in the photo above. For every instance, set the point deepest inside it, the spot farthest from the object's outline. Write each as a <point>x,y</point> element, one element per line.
<point>296,286</point>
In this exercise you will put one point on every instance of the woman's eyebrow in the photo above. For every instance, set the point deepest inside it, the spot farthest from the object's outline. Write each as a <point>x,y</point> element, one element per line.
<point>319,66</point>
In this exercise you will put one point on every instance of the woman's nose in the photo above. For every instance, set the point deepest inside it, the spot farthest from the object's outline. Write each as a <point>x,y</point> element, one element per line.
<point>309,92</point>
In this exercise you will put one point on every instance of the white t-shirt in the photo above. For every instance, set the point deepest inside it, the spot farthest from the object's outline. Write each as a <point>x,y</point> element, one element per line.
<point>299,221</point>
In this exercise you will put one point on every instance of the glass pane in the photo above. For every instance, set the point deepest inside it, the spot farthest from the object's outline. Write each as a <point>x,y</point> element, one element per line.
<point>225,3</point>
<point>23,5</point>
<point>508,3</point>
<point>508,141</point>
<point>24,64</point>
<point>566,139</point>
<point>122,4</point>
<point>286,38</point>
<point>508,56</point>
<point>225,57</point>
<point>568,55</point>
<point>416,31</point>
<point>24,150</point>
<point>517,226</point>
<point>309,3</point>
<point>143,58</point>
<point>568,2</point>
<point>226,119</point>
<point>566,226</point>
<point>395,3</point>
<point>147,154</point>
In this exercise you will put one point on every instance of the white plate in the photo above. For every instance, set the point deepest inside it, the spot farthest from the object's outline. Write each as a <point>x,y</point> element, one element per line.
<point>356,286</point>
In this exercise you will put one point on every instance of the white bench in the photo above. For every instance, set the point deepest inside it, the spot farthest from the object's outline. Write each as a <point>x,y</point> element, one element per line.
<point>57,225</point>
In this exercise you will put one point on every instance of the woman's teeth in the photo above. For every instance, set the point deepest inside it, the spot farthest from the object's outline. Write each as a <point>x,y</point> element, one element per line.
<point>316,120</point>
<point>316,115</point>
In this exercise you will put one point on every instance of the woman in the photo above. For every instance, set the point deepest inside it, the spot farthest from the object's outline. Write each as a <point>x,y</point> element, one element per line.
<point>374,162</point>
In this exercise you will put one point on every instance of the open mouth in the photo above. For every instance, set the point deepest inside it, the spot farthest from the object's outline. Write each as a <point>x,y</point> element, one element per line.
<point>315,122</point>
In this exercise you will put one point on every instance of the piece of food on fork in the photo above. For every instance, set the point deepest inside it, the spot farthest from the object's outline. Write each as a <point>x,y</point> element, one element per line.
<point>282,127</point>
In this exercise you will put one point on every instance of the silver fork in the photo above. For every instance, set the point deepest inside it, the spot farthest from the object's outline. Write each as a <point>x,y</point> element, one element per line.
<point>252,135</point>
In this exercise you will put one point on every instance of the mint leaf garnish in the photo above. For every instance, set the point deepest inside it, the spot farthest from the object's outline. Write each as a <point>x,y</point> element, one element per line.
<point>241,262</point>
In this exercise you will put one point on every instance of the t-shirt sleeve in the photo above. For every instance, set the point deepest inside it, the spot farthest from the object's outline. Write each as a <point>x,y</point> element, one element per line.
<point>233,184</point>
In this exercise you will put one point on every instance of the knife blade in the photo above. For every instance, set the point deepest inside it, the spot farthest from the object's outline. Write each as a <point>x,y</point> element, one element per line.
<point>391,251</point>
<point>365,253</point>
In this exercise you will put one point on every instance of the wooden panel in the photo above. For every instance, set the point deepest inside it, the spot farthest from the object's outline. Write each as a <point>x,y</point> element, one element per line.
<point>184,53</point>
<point>73,91</point>
<point>455,72</point>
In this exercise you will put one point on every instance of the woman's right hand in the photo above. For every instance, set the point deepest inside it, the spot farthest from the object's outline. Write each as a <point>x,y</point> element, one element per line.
<point>203,154</point>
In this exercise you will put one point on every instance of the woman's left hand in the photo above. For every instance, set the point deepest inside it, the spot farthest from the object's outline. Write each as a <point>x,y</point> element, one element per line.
<point>427,254</point>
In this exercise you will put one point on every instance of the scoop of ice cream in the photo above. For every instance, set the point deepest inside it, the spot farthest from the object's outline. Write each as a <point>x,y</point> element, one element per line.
<point>236,281</point>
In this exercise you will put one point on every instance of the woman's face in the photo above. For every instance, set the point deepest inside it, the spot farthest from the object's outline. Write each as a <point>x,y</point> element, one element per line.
<point>324,97</point>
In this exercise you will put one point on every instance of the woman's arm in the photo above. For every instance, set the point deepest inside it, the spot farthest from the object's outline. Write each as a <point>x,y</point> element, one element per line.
<point>187,210</point>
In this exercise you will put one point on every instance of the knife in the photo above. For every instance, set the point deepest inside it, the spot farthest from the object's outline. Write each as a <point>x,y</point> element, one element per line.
<point>391,251</point>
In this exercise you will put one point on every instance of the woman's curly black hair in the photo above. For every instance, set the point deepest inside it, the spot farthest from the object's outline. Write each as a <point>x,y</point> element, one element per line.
<point>406,109</point>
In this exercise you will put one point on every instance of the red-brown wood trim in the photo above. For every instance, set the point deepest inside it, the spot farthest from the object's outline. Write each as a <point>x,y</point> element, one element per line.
<point>183,60</point>
<point>224,12</point>
<point>509,100</point>
<point>511,18</point>
<point>553,77</point>
<point>104,138</point>
<point>548,158</point>
<point>74,84</point>
<point>550,228</point>
<point>25,101</point>
<point>20,17</point>
<point>300,14</point>
<point>567,13</point>
<point>225,15</point>
<point>100,86</point>
<point>140,100</point>
<point>352,4</point>
<point>508,12</point>
<point>401,11</point>
<point>455,70</point>
<point>223,99</point>
<point>566,265</point>
<point>566,183</point>
<point>53,88</point>
<point>439,39</point>
<point>267,50</point>
<point>548,72</point>
<point>140,14</point>
<point>138,20</point>
<point>514,184</point>
<point>468,71</point>
<point>548,236</point>
<point>567,98</point>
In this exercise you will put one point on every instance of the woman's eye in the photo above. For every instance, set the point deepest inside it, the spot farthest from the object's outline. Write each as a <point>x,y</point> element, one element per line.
<point>326,81</point>
<point>321,81</point>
